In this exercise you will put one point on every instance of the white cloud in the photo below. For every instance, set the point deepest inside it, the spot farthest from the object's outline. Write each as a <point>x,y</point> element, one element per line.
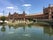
<point>10,7</point>
<point>26,5</point>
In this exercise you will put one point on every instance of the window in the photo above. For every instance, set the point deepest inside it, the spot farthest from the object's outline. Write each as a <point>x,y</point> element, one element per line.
<point>46,13</point>
<point>52,16</point>
<point>52,12</point>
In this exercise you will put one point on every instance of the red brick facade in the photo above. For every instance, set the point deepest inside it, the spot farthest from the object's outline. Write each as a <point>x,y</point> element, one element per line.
<point>16,16</point>
<point>47,14</point>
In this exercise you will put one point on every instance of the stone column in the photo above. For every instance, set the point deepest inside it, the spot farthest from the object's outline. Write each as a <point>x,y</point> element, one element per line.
<point>24,19</point>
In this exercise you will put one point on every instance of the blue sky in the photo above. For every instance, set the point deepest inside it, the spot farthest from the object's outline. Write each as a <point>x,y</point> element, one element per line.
<point>29,6</point>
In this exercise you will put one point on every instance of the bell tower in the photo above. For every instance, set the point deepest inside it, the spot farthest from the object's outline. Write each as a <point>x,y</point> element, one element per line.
<point>48,12</point>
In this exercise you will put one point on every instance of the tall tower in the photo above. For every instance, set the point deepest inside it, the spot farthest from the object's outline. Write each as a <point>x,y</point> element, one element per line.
<point>9,16</point>
<point>9,13</point>
<point>50,17</point>
<point>24,12</point>
<point>48,12</point>
<point>24,15</point>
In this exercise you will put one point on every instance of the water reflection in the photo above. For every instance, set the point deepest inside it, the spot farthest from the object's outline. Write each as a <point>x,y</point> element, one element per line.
<point>30,25</point>
<point>3,29</point>
<point>29,32</point>
<point>9,26</point>
<point>48,30</point>
<point>23,28</point>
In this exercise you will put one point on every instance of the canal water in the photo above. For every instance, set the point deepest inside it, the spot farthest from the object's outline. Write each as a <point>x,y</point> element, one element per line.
<point>26,32</point>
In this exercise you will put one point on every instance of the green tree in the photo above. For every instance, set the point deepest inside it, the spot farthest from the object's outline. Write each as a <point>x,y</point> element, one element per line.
<point>3,18</point>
